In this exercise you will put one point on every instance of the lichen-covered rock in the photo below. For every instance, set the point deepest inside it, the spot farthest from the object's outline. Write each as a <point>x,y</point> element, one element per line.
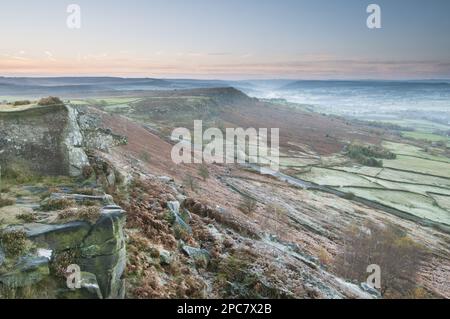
<point>32,139</point>
<point>174,209</point>
<point>95,136</point>
<point>197,254</point>
<point>98,249</point>
<point>109,270</point>
<point>165,258</point>
<point>58,237</point>
<point>90,283</point>
<point>370,290</point>
<point>73,143</point>
<point>107,236</point>
<point>106,200</point>
<point>103,252</point>
<point>89,289</point>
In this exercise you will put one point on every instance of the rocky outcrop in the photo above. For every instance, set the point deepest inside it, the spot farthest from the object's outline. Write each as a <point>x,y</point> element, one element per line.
<point>97,249</point>
<point>95,136</point>
<point>73,143</point>
<point>52,140</point>
<point>40,252</point>
<point>43,139</point>
<point>34,138</point>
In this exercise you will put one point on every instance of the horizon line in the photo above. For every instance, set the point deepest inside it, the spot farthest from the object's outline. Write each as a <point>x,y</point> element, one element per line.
<point>219,79</point>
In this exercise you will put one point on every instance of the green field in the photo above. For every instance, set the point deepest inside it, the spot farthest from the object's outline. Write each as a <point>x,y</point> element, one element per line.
<point>416,182</point>
<point>419,165</point>
<point>414,188</point>
<point>338,179</point>
<point>107,101</point>
<point>422,136</point>
<point>409,177</point>
<point>418,205</point>
<point>411,150</point>
<point>361,170</point>
<point>443,201</point>
<point>290,161</point>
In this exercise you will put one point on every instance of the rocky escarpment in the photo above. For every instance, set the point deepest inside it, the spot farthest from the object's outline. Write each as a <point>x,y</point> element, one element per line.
<point>51,140</point>
<point>60,235</point>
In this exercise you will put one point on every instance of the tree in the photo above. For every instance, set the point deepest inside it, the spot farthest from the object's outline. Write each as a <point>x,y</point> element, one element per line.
<point>145,157</point>
<point>278,214</point>
<point>247,204</point>
<point>190,182</point>
<point>203,172</point>
<point>398,256</point>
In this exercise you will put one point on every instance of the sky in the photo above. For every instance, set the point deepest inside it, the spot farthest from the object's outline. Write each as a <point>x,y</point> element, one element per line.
<point>227,39</point>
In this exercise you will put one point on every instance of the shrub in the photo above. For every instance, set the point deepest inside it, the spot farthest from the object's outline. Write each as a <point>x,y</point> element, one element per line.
<point>87,171</point>
<point>19,103</point>
<point>180,233</point>
<point>85,191</point>
<point>325,257</point>
<point>17,173</point>
<point>14,243</point>
<point>57,204</point>
<point>278,214</point>
<point>419,293</point>
<point>5,189</point>
<point>389,247</point>
<point>90,203</point>
<point>235,277</point>
<point>6,202</point>
<point>90,214</point>
<point>62,261</point>
<point>203,172</point>
<point>27,217</point>
<point>169,217</point>
<point>190,182</point>
<point>349,196</point>
<point>247,205</point>
<point>145,157</point>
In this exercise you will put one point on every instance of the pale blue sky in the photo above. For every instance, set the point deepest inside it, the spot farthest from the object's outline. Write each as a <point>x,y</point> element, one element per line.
<point>227,39</point>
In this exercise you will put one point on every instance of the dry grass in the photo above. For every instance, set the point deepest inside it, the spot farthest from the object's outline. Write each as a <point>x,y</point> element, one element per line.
<point>27,217</point>
<point>90,214</point>
<point>6,202</point>
<point>14,243</point>
<point>247,205</point>
<point>57,204</point>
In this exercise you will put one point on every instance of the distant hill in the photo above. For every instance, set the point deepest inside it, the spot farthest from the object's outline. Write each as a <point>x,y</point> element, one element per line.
<point>69,86</point>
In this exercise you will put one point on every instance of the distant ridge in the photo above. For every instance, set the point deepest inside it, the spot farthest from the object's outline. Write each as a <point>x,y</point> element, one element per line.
<point>94,85</point>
